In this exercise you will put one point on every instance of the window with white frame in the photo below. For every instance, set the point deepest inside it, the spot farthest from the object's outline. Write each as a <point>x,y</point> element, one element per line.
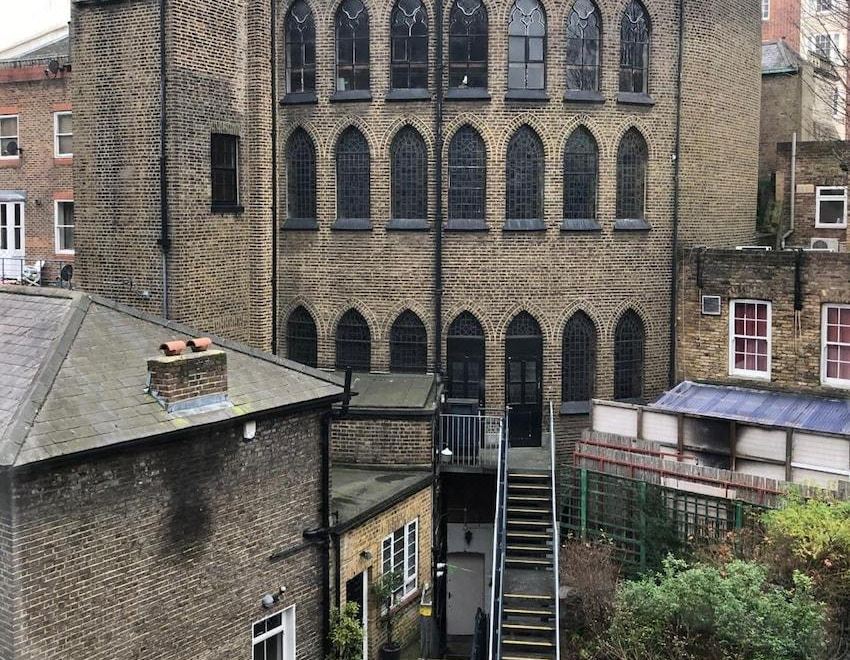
<point>273,638</point>
<point>835,361</point>
<point>823,5</point>
<point>765,10</point>
<point>399,554</point>
<point>826,46</point>
<point>64,214</point>
<point>831,206</point>
<point>749,338</point>
<point>8,136</point>
<point>63,135</point>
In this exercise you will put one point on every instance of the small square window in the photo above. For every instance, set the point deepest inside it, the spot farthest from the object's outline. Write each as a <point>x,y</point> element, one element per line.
<point>9,146</point>
<point>64,227</point>
<point>750,339</point>
<point>835,345</point>
<point>831,207</point>
<point>765,10</point>
<point>63,135</point>
<point>224,171</point>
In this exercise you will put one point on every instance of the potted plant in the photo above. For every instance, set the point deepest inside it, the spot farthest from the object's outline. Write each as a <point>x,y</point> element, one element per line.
<point>346,636</point>
<point>383,589</point>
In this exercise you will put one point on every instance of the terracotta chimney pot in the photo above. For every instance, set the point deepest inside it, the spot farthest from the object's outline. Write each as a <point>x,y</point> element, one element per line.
<point>171,348</point>
<point>199,344</point>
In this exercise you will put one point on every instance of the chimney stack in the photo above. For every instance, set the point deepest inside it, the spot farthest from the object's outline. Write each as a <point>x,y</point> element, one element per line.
<point>188,381</point>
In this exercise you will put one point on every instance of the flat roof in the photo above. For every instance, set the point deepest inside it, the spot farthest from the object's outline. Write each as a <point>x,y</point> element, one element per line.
<point>388,392</point>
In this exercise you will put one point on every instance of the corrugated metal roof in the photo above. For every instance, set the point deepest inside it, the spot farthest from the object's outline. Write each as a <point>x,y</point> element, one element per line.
<point>799,411</point>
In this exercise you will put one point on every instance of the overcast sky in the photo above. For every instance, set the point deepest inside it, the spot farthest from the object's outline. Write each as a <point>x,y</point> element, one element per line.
<point>21,19</point>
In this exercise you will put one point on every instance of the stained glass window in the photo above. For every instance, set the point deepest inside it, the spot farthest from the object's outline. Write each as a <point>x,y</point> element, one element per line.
<point>584,42</point>
<point>634,49</point>
<point>468,44</point>
<point>352,175</point>
<point>631,176</point>
<point>300,176</point>
<point>300,49</point>
<point>628,357</point>
<point>579,359</point>
<point>524,175</point>
<point>467,175</point>
<point>409,52</point>
<point>581,164</point>
<point>527,46</point>
<point>353,342</point>
<point>352,46</point>
<point>301,341</point>
<point>409,175</point>
<point>408,344</point>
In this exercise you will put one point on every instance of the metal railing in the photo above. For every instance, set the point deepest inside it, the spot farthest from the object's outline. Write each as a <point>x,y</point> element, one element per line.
<point>472,439</point>
<point>556,544</point>
<point>31,272</point>
<point>499,543</point>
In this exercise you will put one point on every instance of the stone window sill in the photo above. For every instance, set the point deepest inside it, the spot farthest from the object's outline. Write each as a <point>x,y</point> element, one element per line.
<point>467,94</point>
<point>353,224</point>
<point>407,224</point>
<point>351,95</point>
<point>524,224</point>
<point>580,224</point>
<point>223,209</point>
<point>416,94</point>
<point>632,98</point>
<point>583,96</point>
<point>527,95</point>
<point>63,160</point>
<point>300,224</point>
<point>299,98</point>
<point>460,224</point>
<point>632,224</point>
<point>575,408</point>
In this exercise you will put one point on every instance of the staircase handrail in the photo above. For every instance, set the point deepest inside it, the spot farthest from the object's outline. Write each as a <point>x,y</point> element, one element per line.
<point>499,538</point>
<point>555,533</point>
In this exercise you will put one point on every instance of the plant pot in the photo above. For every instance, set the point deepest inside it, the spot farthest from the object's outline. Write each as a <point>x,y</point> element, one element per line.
<point>391,652</point>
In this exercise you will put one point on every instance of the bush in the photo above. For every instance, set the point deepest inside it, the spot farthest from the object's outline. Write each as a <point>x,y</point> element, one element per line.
<point>589,571</point>
<point>346,635</point>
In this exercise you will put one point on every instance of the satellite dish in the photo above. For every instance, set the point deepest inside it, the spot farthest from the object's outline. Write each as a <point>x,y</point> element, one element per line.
<point>11,148</point>
<point>66,273</point>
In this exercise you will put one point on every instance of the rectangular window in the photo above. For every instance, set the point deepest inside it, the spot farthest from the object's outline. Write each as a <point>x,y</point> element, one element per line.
<point>826,47</point>
<point>749,338</point>
<point>64,214</point>
<point>224,166</point>
<point>399,553</point>
<point>273,638</point>
<point>831,207</point>
<point>8,136</point>
<point>63,135</point>
<point>835,345</point>
<point>765,10</point>
<point>823,5</point>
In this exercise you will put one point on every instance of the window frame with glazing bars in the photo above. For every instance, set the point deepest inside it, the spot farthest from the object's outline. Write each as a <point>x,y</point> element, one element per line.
<point>578,23</point>
<point>5,138</point>
<point>578,365</point>
<point>353,187</point>
<point>408,344</point>
<point>300,176</point>
<point>409,560</point>
<point>526,60</point>
<point>634,362</point>
<point>632,176</point>
<point>409,175</point>
<point>467,35</point>
<point>229,170</point>
<point>353,322</point>
<point>302,342</point>
<point>581,175</point>
<point>634,48</point>
<point>303,27</point>
<point>59,134</point>
<point>60,230</point>
<point>358,68</point>
<point>405,71</point>
<point>534,170</point>
<point>468,164</point>
<point>841,346</point>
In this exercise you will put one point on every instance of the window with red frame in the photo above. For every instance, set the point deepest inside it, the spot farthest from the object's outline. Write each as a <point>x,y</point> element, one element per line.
<point>750,339</point>
<point>836,345</point>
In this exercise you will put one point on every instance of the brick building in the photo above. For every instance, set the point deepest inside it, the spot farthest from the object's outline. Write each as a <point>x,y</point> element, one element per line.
<point>154,506</point>
<point>781,21</point>
<point>36,157</point>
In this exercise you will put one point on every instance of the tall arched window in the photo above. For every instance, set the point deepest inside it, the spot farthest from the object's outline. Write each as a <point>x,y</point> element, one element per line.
<point>584,41</point>
<point>352,175</point>
<point>465,359</point>
<point>300,49</point>
<point>409,51</point>
<point>352,46</point>
<point>632,156</point>
<point>301,341</point>
<point>468,44</point>
<point>467,175</point>
<point>579,359</point>
<point>524,176</point>
<point>353,342</point>
<point>409,175</point>
<point>634,49</point>
<point>581,167</point>
<point>300,176</point>
<point>408,344</point>
<point>527,46</point>
<point>629,338</point>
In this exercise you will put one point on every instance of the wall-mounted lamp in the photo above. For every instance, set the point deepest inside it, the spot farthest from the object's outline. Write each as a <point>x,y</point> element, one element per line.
<point>366,555</point>
<point>249,430</point>
<point>268,601</point>
<point>446,455</point>
<point>467,536</point>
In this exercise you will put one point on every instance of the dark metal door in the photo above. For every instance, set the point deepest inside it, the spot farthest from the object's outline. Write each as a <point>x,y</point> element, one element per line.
<point>465,368</point>
<point>523,388</point>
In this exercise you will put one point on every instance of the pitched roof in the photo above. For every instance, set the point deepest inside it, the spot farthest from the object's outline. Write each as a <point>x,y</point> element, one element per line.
<point>779,57</point>
<point>52,44</point>
<point>73,370</point>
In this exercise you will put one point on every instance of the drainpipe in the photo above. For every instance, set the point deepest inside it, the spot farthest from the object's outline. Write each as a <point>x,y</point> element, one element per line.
<point>438,194</point>
<point>164,239</point>
<point>674,264</point>
<point>793,190</point>
<point>326,550</point>
<point>273,69</point>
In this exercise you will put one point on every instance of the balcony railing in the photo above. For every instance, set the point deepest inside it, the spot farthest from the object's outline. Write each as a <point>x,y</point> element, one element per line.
<point>31,272</point>
<point>473,440</point>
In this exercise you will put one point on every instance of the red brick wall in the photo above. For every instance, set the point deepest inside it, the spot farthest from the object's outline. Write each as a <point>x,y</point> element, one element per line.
<point>784,23</point>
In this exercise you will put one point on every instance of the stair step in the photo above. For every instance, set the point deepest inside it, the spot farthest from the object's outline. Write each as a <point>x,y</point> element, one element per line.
<point>531,548</point>
<point>536,523</point>
<point>530,656</point>
<point>530,535</point>
<point>521,486</point>
<point>533,627</point>
<point>528,475</point>
<point>518,611</point>
<point>513,641</point>
<point>530,596</point>
<point>528,561</point>
<point>528,498</point>
<point>524,510</point>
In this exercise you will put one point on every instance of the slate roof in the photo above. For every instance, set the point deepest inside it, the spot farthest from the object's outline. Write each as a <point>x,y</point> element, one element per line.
<point>73,370</point>
<point>778,57</point>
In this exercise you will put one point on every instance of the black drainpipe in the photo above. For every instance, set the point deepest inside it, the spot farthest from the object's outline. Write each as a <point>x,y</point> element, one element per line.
<point>164,240</point>
<point>326,550</point>
<point>674,264</point>
<point>798,281</point>
<point>273,69</point>
<point>438,193</point>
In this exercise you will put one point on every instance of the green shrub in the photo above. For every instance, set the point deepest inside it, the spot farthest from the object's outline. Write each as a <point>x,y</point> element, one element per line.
<point>346,635</point>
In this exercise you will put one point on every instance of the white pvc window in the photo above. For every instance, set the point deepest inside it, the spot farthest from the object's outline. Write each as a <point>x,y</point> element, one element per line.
<point>9,136</point>
<point>835,345</point>
<point>64,215</point>
<point>399,554</point>
<point>273,638</point>
<point>63,134</point>
<point>765,10</point>
<point>831,207</point>
<point>749,338</point>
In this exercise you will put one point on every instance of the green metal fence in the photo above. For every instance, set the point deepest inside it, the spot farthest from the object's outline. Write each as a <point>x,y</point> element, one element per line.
<point>645,521</point>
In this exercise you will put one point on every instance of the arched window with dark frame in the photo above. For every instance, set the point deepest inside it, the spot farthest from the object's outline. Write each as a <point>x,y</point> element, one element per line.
<point>468,36</point>
<point>409,175</point>
<point>467,175</point>
<point>301,337</point>
<point>352,46</point>
<point>632,157</point>
<point>527,46</point>
<point>581,175</point>
<point>465,359</point>
<point>300,49</point>
<point>634,49</point>
<point>629,340</point>
<point>300,176</point>
<point>352,175</point>
<point>578,367</point>
<point>353,342</point>
<point>408,344</point>
<point>409,47</point>
<point>584,47</point>
<point>524,168</point>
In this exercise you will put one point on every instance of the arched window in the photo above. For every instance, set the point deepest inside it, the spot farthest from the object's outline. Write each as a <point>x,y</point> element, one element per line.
<point>300,49</point>
<point>527,46</point>
<point>409,175</point>
<point>628,357</point>
<point>579,359</point>
<point>300,176</point>
<point>352,175</point>
<point>301,342</point>
<point>467,175</point>
<point>409,50</point>
<point>631,176</point>
<point>353,342</point>
<point>408,344</point>
<point>634,49</point>
<point>584,41</point>
<point>468,44</point>
<point>352,46</point>
<point>581,165</point>
<point>524,176</point>
<point>465,359</point>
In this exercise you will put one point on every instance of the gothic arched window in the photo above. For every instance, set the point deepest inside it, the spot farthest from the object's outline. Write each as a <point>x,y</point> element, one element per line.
<point>524,166</point>
<point>300,176</point>
<point>465,359</point>
<point>301,341</point>
<point>409,175</point>
<point>468,44</point>
<point>584,44</point>
<point>352,46</point>
<point>353,342</point>
<point>527,46</point>
<point>579,359</point>
<point>581,167</point>
<point>632,157</point>
<point>408,344</point>
<point>629,340</point>
<point>467,175</point>
<point>352,175</point>
<point>300,49</point>
<point>409,48</point>
<point>634,49</point>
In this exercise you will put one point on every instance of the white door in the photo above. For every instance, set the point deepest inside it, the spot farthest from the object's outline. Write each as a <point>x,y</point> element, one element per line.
<point>11,240</point>
<point>465,591</point>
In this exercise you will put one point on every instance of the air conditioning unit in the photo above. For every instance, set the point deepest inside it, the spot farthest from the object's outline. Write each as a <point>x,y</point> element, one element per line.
<point>824,244</point>
<point>711,305</point>
<point>754,248</point>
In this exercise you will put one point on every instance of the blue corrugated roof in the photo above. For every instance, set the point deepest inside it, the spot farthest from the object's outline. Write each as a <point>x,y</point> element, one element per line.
<point>799,411</point>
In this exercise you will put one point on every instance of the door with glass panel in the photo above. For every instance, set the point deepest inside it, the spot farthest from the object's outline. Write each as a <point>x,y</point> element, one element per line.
<point>11,240</point>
